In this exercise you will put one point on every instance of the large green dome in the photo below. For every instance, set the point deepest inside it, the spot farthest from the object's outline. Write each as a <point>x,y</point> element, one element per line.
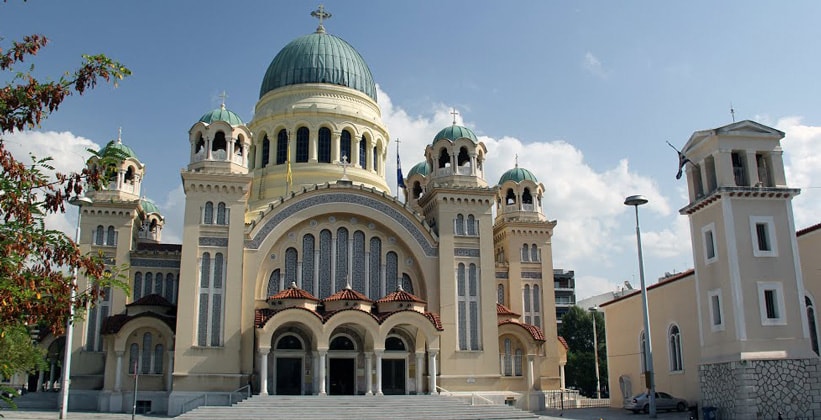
<point>420,168</point>
<point>149,206</point>
<point>221,114</point>
<point>517,175</point>
<point>118,149</point>
<point>319,58</point>
<point>453,132</point>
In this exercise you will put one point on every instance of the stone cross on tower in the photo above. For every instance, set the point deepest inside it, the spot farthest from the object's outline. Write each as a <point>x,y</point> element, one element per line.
<point>344,164</point>
<point>320,14</point>
<point>454,113</point>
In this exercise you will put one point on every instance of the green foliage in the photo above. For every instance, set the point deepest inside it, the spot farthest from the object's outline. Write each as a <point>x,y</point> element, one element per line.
<point>577,329</point>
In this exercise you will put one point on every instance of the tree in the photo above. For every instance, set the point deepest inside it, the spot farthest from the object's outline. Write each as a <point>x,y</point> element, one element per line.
<point>36,262</point>
<point>577,329</point>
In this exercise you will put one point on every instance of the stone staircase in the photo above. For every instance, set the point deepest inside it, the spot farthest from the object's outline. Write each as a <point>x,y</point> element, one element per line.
<point>405,407</point>
<point>36,401</point>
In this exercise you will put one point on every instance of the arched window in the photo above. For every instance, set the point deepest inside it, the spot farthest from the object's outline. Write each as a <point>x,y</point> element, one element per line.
<point>345,146</point>
<point>525,252</point>
<point>325,277</point>
<point>510,198</point>
<point>133,357</point>
<point>208,214</point>
<point>266,151</point>
<point>289,342</point>
<point>460,224</point>
<point>444,158</point>
<point>394,344</point>
<point>209,322</point>
<point>138,286</point>
<point>169,288</point>
<point>238,146</point>
<point>308,242</point>
<point>374,268</point>
<point>534,253</point>
<point>391,272</point>
<point>99,238</point>
<point>674,341</point>
<point>324,145</point>
<point>291,257</point>
<point>500,294</point>
<point>526,298</point>
<point>274,285</point>
<point>146,354</point>
<point>507,362</point>
<point>200,144</point>
<point>537,306</point>
<point>341,259</point>
<point>129,175</point>
<point>526,197</point>
<point>342,343</point>
<point>221,214</point>
<point>219,146</point>
<point>463,158</point>
<point>363,156</point>
<point>811,323</point>
<point>375,162</point>
<point>149,284</point>
<point>158,284</point>
<point>417,190</point>
<point>358,280</point>
<point>471,225</point>
<point>158,356</point>
<point>111,236</point>
<point>302,141</point>
<point>282,146</point>
<point>407,284</point>
<point>517,362</point>
<point>468,307</point>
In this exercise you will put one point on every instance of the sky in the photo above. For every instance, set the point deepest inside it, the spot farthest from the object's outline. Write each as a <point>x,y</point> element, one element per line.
<point>586,93</point>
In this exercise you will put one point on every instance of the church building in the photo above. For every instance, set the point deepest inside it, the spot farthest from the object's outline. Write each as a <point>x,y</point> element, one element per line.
<point>301,273</point>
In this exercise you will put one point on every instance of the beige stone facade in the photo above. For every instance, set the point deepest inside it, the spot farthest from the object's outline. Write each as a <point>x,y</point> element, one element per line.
<point>300,273</point>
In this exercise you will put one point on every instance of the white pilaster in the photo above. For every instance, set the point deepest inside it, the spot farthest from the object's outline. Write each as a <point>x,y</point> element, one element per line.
<point>263,371</point>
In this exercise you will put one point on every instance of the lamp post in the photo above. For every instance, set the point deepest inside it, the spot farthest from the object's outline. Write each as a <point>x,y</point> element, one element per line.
<point>78,201</point>
<point>636,201</point>
<point>593,311</point>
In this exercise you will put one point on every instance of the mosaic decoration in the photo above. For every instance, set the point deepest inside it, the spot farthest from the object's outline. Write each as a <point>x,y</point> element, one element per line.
<point>147,262</point>
<point>466,252</point>
<point>209,241</point>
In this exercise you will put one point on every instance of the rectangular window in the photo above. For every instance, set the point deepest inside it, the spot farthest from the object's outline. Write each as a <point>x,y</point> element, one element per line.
<point>708,233</point>
<point>771,303</point>
<point>467,291</point>
<point>762,229</point>
<point>716,313</point>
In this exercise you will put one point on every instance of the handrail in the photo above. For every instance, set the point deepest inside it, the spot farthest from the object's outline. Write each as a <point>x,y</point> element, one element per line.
<point>203,396</point>
<point>473,396</point>
<point>231,395</point>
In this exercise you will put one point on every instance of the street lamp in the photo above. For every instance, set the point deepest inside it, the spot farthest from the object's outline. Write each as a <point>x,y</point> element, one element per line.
<point>593,311</point>
<point>636,201</point>
<point>78,201</point>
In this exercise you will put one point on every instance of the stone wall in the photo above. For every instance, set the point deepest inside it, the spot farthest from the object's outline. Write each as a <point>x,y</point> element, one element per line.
<point>761,389</point>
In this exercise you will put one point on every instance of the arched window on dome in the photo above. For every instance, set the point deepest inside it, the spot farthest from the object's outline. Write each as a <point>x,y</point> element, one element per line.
<point>526,197</point>
<point>219,147</point>
<point>266,151</point>
<point>375,164</point>
<point>238,147</point>
<point>129,175</point>
<point>345,146</point>
<point>302,139</point>
<point>282,146</point>
<point>324,145</point>
<point>417,190</point>
<point>444,158</point>
<point>363,156</point>
<point>510,198</point>
<point>463,159</point>
<point>199,148</point>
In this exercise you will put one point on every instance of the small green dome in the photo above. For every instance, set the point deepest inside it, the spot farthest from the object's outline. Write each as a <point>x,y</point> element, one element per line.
<point>118,149</point>
<point>517,175</point>
<point>319,58</point>
<point>221,114</point>
<point>453,132</point>
<point>149,206</point>
<point>420,168</point>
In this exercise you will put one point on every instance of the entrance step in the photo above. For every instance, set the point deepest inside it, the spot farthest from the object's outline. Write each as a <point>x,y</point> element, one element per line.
<point>406,407</point>
<point>36,401</point>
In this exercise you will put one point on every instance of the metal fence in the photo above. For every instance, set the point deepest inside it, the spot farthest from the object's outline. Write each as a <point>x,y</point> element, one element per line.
<point>567,399</point>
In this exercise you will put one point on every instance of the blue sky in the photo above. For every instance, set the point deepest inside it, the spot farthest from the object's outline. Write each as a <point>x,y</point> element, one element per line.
<point>586,93</point>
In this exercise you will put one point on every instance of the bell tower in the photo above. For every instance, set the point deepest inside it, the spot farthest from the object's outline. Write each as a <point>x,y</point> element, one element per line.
<point>753,330</point>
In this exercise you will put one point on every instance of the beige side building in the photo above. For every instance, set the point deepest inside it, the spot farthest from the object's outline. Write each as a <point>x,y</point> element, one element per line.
<point>301,273</point>
<point>739,331</point>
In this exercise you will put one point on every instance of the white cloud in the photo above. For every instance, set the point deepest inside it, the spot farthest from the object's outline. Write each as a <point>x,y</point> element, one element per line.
<point>173,209</point>
<point>802,161</point>
<point>592,64</point>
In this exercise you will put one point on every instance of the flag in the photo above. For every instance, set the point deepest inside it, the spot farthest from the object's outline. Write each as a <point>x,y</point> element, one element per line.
<point>289,177</point>
<point>400,180</point>
<point>682,161</point>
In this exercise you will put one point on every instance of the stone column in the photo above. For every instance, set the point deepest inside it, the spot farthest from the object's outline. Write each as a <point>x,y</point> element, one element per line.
<point>561,376</point>
<point>752,169</point>
<point>323,378</point>
<point>354,157</point>
<point>530,375</point>
<point>118,374</point>
<point>473,164</point>
<point>378,354</point>
<point>263,371</point>
<point>313,141</point>
<point>208,155</point>
<point>369,373</point>
<point>420,360</point>
<point>432,371</point>
<point>335,140</point>
<point>169,376</point>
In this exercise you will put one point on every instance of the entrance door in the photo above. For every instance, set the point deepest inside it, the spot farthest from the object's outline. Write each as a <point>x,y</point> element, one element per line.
<point>393,376</point>
<point>342,377</point>
<point>289,376</point>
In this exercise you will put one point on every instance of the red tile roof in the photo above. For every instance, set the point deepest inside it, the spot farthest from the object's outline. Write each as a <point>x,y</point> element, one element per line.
<point>113,324</point>
<point>347,294</point>
<point>262,315</point>
<point>400,296</point>
<point>293,292</point>
<point>504,310</point>
<point>564,343</point>
<point>533,330</point>
<point>151,300</point>
<point>662,282</point>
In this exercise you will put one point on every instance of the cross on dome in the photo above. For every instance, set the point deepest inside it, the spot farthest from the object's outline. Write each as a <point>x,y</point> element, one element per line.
<point>223,95</point>
<point>321,14</point>
<point>517,160</point>
<point>454,113</point>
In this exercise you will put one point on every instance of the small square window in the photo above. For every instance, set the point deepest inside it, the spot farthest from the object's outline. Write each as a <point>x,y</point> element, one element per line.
<point>771,303</point>
<point>762,229</point>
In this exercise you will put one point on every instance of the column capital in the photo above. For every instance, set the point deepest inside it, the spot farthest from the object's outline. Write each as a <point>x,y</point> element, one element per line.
<point>264,350</point>
<point>119,353</point>
<point>379,352</point>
